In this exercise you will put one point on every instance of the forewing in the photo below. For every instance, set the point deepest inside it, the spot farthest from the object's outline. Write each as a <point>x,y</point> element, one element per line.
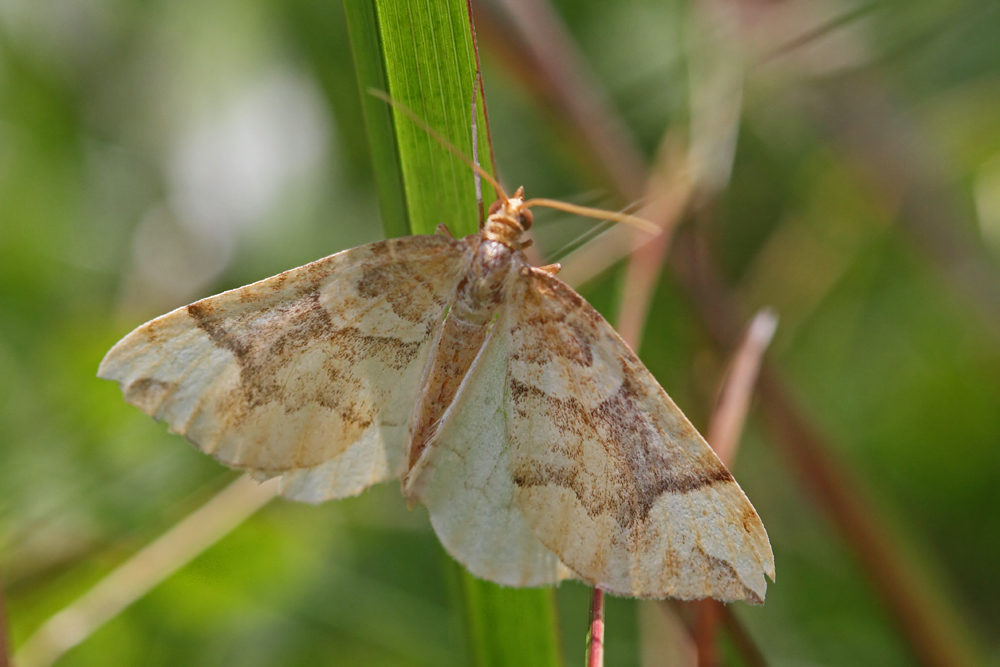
<point>609,473</point>
<point>464,480</point>
<point>312,373</point>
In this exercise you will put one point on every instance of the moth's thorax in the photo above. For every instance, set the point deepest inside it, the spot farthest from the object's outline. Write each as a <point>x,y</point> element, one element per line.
<point>482,290</point>
<point>508,221</point>
<point>501,229</point>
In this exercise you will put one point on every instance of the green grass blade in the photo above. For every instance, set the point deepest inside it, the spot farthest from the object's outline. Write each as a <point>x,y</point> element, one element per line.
<point>362,26</point>
<point>509,626</point>
<point>428,69</point>
<point>421,54</point>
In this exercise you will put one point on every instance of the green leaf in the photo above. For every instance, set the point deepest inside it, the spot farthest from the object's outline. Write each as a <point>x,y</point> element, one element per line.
<point>509,626</point>
<point>367,50</point>
<point>422,55</point>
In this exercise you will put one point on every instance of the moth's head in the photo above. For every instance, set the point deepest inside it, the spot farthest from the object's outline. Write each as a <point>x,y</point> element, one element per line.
<point>508,219</point>
<point>513,211</point>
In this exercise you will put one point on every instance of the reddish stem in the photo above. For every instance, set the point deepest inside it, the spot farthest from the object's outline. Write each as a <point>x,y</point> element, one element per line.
<point>708,614</point>
<point>595,639</point>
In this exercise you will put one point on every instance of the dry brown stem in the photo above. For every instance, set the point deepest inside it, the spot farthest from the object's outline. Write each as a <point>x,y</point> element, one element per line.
<point>668,192</point>
<point>145,570</point>
<point>733,405</point>
<point>932,638</point>
<point>724,431</point>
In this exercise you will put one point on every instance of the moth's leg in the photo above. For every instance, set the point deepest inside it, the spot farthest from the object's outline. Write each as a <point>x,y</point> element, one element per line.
<point>442,230</point>
<point>551,269</point>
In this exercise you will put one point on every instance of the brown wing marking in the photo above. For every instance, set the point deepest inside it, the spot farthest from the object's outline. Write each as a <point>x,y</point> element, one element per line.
<point>285,374</point>
<point>609,473</point>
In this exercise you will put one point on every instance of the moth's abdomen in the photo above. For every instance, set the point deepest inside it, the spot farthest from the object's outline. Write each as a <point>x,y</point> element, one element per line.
<point>459,340</point>
<point>452,354</point>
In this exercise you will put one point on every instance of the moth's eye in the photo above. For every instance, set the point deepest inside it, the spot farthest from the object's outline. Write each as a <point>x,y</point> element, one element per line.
<point>526,219</point>
<point>495,206</point>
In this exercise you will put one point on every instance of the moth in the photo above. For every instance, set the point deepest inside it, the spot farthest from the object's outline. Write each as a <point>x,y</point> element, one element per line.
<point>541,446</point>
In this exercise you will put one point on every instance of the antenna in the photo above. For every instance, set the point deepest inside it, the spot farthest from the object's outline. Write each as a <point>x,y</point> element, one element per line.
<point>586,211</point>
<point>418,121</point>
<point>600,214</point>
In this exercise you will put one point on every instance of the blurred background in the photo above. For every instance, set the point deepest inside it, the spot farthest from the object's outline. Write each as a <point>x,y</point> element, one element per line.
<point>841,165</point>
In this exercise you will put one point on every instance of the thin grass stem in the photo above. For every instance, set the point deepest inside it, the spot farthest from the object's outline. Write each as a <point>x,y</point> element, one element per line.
<point>134,578</point>
<point>595,637</point>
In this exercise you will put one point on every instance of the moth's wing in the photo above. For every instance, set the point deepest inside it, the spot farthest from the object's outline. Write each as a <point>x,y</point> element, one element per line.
<point>311,374</point>
<point>464,480</point>
<point>609,473</point>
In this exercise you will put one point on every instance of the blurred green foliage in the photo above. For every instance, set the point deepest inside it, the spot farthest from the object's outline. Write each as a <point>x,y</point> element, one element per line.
<point>155,152</point>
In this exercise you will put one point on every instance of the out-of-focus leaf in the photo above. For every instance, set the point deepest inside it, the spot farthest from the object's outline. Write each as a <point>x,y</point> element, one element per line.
<point>509,626</point>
